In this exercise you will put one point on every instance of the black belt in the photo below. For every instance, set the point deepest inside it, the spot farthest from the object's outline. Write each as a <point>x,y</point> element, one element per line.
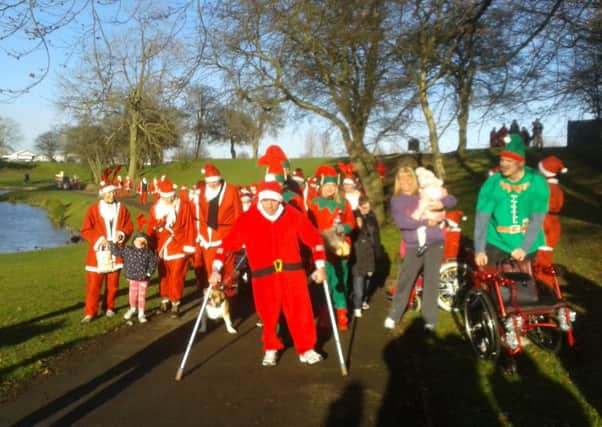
<point>277,267</point>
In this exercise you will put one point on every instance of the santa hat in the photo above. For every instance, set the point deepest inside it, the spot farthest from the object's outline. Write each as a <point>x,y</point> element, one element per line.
<point>269,190</point>
<point>105,185</point>
<point>326,174</point>
<point>211,173</point>
<point>299,176</point>
<point>253,188</point>
<point>166,188</point>
<point>347,171</point>
<point>274,153</point>
<point>454,218</point>
<point>515,148</point>
<point>551,166</point>
<point>275,172</point>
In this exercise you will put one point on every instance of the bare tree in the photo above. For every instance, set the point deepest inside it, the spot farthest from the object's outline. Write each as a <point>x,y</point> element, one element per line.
<point>203,110</point>
<point>329,58</point>
<point>139,76</point>
<point>49,144</point>
<point>10,134</point>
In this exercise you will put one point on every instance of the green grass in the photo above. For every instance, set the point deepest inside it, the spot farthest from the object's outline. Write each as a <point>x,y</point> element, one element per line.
<point>43,295</point>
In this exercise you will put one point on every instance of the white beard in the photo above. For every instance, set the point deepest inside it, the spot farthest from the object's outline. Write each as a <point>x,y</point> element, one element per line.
<point>211,193</point>
<point>108,210</point>
<point>163,210</point>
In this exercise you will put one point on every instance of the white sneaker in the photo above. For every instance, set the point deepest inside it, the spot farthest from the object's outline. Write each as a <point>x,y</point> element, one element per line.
<point>87,319</point>
<point>270,358</point>
<point>389,323</point>
<point>128,314</point>
<point>110,313</point>
<point>357,312</point>
<point>310,357</point>
<point>142,317</point>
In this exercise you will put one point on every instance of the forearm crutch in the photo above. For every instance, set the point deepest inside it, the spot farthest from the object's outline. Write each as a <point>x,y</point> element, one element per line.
<point>198,322</point>
<point>194,332</point>
<point>335,331</point>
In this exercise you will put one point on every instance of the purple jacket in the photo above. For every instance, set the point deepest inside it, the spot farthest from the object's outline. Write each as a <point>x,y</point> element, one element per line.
<point>402,208</point>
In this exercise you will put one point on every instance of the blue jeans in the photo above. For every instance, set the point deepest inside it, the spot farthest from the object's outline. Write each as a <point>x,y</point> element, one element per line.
<point>360,288</point>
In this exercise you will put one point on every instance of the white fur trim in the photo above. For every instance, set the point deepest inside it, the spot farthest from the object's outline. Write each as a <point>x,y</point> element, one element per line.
<point>269,194</point>
<point>298,179</point>
<point>213,178</point>
<point>320,263</point>
<point>217,265</point>
<point>544,171</point>
<point>106,189</point>
<point>269,217</point>
<point>546,248</point>
<point>348,181</point>
<point>167,194</point>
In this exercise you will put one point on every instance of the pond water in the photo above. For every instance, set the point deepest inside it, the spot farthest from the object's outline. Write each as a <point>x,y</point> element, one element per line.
<point>27,228</point>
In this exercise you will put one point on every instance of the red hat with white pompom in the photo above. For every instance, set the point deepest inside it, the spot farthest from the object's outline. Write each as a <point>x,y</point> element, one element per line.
<point>211,173</point>
<point>166,188</point>
<point>551,166</point>
<point>269,190</point>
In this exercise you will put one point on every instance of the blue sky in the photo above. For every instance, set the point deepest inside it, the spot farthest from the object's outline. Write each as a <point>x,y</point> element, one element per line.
<point>36,113</point>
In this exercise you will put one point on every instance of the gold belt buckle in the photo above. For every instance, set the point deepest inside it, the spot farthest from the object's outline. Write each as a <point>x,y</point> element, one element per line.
<point>278,264</point>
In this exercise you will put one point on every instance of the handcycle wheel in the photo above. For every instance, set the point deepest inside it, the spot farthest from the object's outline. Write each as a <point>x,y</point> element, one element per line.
<point>415,304</point>
<point>546,338</point>
<point>481,324</point>
<point>452,277</point>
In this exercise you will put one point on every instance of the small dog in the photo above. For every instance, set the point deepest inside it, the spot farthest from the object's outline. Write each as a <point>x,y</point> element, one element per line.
<point>217,307</point>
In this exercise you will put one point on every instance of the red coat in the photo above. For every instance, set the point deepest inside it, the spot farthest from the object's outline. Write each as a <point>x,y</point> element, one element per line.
<point>551,224</point>
<point>267,241</point>
<point>230,208</point>
<point>95,228</point>
<point>175,240</point>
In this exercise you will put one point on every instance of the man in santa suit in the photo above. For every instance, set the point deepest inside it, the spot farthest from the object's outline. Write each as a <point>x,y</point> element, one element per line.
<point>104,222</point>
<point>550,167</point>
<point>218,208</point>
<point>127,185</point>
<point>171,229</point>
<point>351,193</point>
<point>271,231</point>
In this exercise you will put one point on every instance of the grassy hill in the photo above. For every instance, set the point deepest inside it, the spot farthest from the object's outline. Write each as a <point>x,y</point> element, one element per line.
<point>43,291</point>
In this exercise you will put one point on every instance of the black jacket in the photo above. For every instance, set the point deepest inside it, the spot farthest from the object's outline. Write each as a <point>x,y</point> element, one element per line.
<point>139,264</point>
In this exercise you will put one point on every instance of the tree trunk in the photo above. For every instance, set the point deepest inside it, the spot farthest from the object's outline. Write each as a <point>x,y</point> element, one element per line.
<point>134,119</point>
<point>433,137</point>
<point>197,147</point>
<point>232,150</point>
<point>365,163</point>
<point>464,98</point>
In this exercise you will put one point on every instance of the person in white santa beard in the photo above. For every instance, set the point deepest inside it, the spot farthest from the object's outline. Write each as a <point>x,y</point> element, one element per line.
<point>172,231</point>
<point>105,222</point>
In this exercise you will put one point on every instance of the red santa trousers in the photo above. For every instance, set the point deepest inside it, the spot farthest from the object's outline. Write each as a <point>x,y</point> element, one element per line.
<point>143,197</point>
<point>93,287</point>
<point>286,291</point>
<point>172,274</point>
<point>197,263</point>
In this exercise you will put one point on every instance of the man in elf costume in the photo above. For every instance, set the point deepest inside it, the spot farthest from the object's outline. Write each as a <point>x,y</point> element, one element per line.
<point>550,167</point>
<point>218,207</point>
<point>270,231</point>
<point>511,207</point>
<point>171,229</point>
<point>105,222</point>
<point>334,218</point>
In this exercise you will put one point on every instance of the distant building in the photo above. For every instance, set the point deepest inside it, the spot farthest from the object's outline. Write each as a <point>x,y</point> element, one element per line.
<point>584,132</point>
<point>20,156</point>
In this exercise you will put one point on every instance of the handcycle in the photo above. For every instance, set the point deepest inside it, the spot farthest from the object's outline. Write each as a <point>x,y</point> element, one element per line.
<point>507,307</point>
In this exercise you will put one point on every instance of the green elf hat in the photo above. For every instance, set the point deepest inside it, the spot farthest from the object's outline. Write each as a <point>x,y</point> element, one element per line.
<point>515,148</point>
<point>326,174</point>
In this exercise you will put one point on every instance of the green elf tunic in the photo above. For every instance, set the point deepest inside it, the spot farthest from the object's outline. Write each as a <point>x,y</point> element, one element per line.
<point>325,213</point>
<point>510,205</point>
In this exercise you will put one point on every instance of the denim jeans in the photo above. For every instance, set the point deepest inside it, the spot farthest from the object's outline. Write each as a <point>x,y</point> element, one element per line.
<point>360,289</point>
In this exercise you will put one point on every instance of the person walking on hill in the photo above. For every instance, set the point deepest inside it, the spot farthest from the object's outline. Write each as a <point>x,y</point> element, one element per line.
<point>105,222</point>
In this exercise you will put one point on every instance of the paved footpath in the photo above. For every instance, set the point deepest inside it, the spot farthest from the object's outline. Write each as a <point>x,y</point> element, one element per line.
<point>127,379</point>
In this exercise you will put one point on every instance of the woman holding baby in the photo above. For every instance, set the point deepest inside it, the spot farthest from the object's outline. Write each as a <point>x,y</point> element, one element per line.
<point>418,213</point>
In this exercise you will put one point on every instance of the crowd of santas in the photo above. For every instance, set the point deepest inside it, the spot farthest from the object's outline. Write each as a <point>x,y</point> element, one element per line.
<point>186,225</point>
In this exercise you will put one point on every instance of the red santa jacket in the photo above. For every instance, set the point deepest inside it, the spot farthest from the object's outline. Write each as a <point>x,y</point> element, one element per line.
<point>95,228</point>
<point>173,240</point>
<point>551,224</point>
<point>230,208</point>
<point>267,242</point>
